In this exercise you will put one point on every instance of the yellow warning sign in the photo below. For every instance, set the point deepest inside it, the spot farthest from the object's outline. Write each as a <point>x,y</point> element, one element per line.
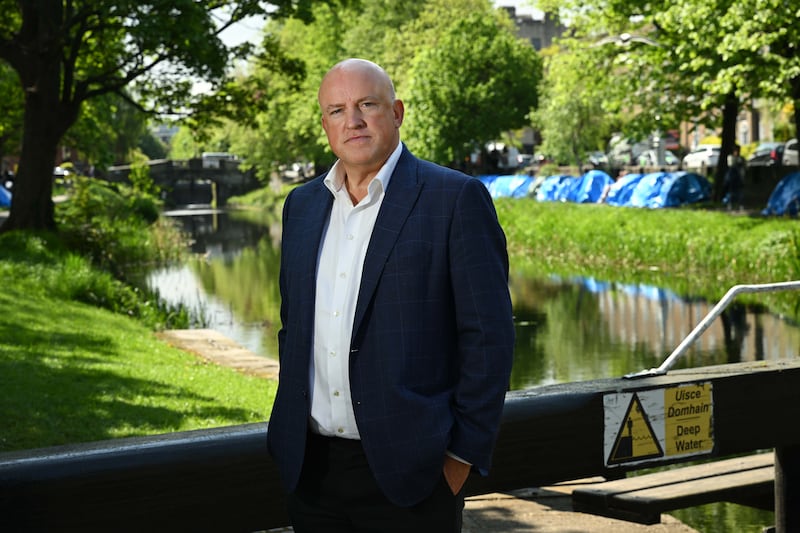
<point>687,419</point>
<point>636,439</point>
<point>661,423</point>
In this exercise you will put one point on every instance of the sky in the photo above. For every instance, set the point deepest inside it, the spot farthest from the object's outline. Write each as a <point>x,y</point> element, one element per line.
<point>248,29</point>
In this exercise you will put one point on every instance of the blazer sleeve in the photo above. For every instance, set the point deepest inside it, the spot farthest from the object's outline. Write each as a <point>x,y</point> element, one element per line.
<point>484,324</point>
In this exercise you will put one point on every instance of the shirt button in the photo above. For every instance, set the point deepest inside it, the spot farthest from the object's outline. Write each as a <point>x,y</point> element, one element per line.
<point>350,237</point>
<point>340,430</point>
<point>332,353</point>
<point>342,275</point>
<point>336,393</point>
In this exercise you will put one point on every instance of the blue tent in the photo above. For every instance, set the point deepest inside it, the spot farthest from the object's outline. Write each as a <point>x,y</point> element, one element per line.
<point>514,186</point>
<point>555,188</point>
<point>5,197</point>
<point>670,189</point>
<point>585,189</point>
<point>589,187</point>
<point>785,197</point>
<point>658,189</point>
<point>619,193</point>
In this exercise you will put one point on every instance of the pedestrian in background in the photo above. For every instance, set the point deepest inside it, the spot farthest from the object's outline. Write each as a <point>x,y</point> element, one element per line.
<point>734,179</point>
<point>397,336</point>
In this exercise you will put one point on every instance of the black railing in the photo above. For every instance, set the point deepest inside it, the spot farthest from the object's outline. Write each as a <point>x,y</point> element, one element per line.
<point>223,480</point>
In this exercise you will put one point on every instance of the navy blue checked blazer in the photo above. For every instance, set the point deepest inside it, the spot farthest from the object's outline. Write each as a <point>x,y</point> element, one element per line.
<point>433,335</point>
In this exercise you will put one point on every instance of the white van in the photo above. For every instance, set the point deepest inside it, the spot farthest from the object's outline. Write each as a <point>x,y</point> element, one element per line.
<point>212,159</point>
<point>790,153</point>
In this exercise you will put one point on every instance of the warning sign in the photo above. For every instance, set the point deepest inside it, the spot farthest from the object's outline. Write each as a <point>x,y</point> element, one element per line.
<point>687,419</point>
<point>636,439</point>
<point>658,423</point>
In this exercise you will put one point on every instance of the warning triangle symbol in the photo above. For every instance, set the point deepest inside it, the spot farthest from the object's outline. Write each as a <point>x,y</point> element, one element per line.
<point>636,439</point>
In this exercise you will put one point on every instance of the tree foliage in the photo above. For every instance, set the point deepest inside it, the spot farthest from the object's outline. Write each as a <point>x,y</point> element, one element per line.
<point>477,82</point>
<point>10,112</point>
<point>457,64</point>
<point>67,52</point>
<point>691,60</point>
<point>768,32</point>
<point>576,115</point>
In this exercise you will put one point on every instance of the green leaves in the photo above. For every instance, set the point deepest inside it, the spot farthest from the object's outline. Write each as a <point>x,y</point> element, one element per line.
<point>464,76</point>
<point>478,82</point>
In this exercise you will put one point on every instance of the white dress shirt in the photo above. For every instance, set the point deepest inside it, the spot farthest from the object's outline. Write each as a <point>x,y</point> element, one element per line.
<point>341,260</point>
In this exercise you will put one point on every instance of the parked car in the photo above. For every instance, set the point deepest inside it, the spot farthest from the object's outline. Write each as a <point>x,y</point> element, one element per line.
<point>790,153</point>
<point>766,154</point>
<point>702,157</point>
<point>598,159</point>
<point>524,160</point>
<point>649,158</point>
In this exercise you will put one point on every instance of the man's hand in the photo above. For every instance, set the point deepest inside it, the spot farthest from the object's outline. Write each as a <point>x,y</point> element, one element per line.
<point>455,472</point>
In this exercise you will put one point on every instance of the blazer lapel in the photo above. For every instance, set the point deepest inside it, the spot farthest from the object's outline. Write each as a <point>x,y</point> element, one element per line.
<point>402,194</point>
<point>305,263</point>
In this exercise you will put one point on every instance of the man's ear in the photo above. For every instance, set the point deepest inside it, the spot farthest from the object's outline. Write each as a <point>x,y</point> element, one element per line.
<point>399,112</point>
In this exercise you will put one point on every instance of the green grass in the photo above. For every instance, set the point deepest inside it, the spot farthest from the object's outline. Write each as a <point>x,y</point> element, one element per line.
<point>691,251</point>
<point>71,372</point>
<point>79,360</point>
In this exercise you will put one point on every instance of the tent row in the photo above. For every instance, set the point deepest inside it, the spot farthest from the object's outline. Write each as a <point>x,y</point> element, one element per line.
<point>652,190</point>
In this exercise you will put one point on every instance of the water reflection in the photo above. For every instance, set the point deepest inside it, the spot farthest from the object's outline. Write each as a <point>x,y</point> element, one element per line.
<point>581,328</point>
<point>567,329</point>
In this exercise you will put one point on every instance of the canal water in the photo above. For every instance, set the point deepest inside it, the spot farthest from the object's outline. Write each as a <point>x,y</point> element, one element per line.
<point>568,330</point>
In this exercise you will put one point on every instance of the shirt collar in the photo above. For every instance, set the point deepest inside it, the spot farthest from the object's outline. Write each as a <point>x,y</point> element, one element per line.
<point>334,181</point>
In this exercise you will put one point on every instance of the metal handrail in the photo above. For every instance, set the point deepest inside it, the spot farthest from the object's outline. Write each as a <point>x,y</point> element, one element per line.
<point>706,322</point>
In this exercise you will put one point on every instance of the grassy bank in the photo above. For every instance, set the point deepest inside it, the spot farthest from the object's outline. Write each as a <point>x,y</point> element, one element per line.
<point>691,251</point>
<point>79,360</point>
<point>71,372</point>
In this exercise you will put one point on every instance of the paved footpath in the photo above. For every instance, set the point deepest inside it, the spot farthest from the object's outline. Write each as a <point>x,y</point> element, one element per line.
<point>539,510</point>
<point>544,510</point>
<point>549,510</point>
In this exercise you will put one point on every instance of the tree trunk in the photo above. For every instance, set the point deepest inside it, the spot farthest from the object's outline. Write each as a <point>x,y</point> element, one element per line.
<point>730,112</point>
<point>795,92</point>
<point>32,198</point>
<point>45,120</point>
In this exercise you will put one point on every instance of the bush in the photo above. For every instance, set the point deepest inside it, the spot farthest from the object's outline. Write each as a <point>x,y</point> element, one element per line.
<point>118,227</point>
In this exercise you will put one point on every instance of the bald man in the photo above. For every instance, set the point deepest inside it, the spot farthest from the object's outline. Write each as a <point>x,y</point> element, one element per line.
<point>397,336</point>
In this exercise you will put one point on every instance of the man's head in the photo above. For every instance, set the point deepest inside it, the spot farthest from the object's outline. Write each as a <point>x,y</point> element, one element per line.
<point>360,115</point>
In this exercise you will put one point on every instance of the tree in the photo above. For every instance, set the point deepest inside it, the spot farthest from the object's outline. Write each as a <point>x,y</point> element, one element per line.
<point>573,118</point>
<point>10,112</point>
<point>109,128</point>
<point>770,32</point>
<point>483,55</point>
<point>183,144</point>
<point>700,60</point>
<point>478,81</point>
<point>67,52</point>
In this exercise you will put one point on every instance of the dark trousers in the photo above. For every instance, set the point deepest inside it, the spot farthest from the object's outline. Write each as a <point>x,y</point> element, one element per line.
<point>337,493</point>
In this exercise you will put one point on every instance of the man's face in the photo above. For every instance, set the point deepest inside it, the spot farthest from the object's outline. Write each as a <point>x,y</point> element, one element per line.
<point>360,117</point>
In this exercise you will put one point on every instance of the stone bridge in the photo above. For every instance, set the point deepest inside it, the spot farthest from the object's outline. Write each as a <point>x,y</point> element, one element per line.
<point>190,182</point>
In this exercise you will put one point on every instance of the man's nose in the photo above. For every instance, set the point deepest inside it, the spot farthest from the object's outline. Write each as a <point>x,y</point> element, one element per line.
<point>355,118</point>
